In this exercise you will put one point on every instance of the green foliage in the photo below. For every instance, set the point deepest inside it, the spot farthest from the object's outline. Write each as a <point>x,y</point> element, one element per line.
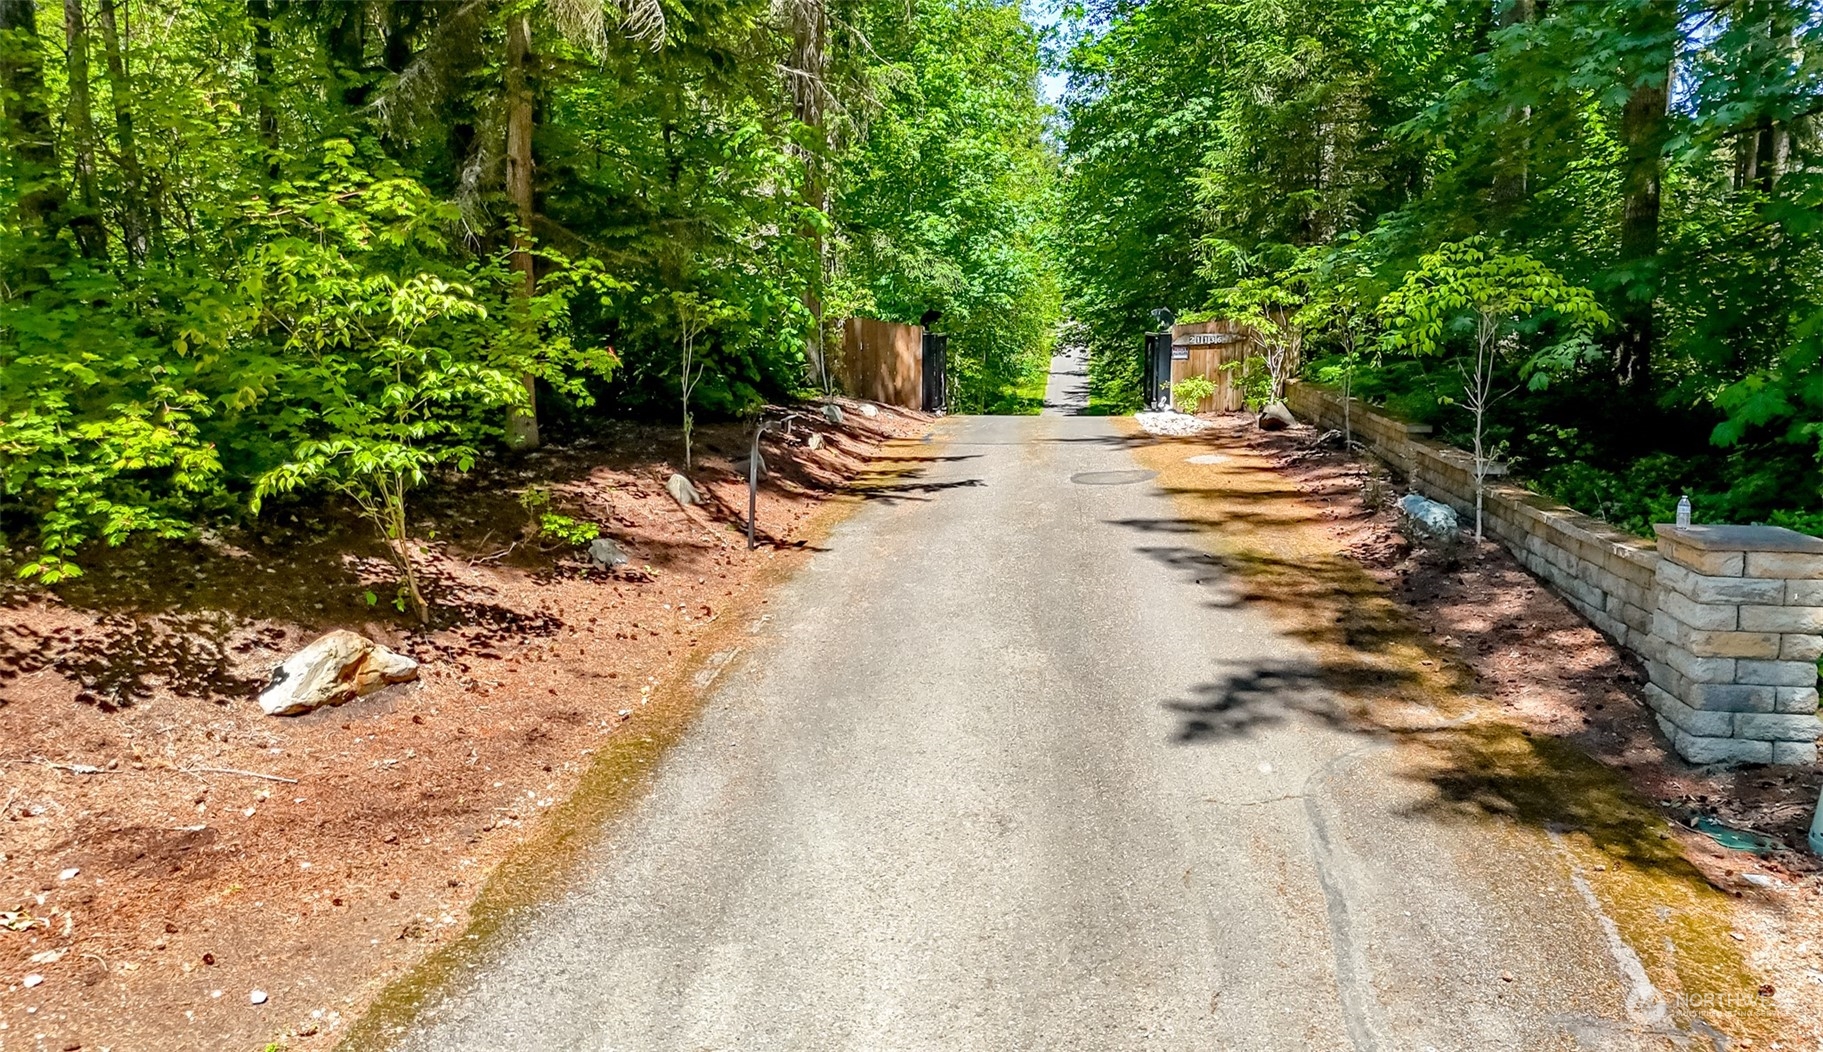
<point>949,204</point>
<point>280,249</point>
<point>569,531</point>
<point>1188,393</point>
<point>1467,290</point>
<point>1268,308</point>
<point>406,369</point>
<point>1466,287</point>
<point>1658,154</point>
<point>545,523</point>
<point>1253,378</point>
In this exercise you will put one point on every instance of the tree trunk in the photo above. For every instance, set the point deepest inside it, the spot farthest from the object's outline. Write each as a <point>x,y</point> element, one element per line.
<point>1762,153</point>
<point>85,221</point>
<point>402,17</point>
<point>346,42</point>
<point>134,218</point>
<point>522,421</point>
<point>396,527</point>
<point>28,134</point>
<point>810,61</point>
<point>259,12</point>
<point>1512,176</point>
<point>1645,130</point>
<point>1771,150</point>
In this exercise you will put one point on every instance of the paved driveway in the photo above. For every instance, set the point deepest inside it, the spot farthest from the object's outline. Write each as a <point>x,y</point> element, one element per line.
<point>1008,768</point>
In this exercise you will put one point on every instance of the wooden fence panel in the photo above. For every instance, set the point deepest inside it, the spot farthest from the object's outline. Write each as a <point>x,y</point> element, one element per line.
<point>883,361</point>
<point>1220,343</point>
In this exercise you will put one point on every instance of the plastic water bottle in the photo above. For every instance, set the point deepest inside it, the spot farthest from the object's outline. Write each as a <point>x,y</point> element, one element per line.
<point>1683,511</point>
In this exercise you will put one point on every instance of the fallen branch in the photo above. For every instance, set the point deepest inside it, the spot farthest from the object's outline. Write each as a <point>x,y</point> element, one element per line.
<point>73,768</point>
<point>236,770</point>
<point>501,554</point>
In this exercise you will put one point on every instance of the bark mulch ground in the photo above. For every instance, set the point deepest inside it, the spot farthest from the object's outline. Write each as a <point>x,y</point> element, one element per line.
<point>180,871</point>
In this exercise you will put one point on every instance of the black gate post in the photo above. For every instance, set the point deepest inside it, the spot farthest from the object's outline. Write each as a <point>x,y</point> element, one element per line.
<point>1156,389</point>
<point>1148,373</point>
<point>936,372</point>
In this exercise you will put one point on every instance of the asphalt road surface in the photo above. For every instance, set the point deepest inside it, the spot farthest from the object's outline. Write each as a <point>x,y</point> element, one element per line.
<point>1003,771</point>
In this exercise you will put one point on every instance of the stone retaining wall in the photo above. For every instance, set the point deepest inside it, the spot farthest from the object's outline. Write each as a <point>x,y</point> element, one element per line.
<point>1729,619</point>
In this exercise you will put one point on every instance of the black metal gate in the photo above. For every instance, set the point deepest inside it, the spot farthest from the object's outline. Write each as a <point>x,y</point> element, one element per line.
<point>1155,385</point>
<point>936,372</point>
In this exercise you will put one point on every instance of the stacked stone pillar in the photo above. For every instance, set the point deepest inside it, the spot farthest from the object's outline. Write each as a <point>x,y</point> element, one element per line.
<point>1736,634</point>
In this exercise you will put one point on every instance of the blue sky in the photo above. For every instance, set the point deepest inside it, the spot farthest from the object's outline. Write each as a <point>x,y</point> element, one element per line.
<point>1047,14</point>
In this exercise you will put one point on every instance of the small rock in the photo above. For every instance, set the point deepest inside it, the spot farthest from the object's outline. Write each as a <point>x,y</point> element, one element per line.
<point>682,491</point>
<point>816,442</point>
<point>336,668</point>
<point>1506,977</point>
<point>1759,880</point>
<point>1427,518</point>
<point>833,413</point>
<point>32,980</point>
<point>49,956</point>
<point>1737,936</point>
<point>69,873</point>
<point>257,997</point>
<point>606,554</point>
<point>868,410</point>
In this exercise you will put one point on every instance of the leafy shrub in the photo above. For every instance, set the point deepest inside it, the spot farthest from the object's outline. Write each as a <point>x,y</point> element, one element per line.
<point>408,370</point>
<point>544,523</point>
<point>1190,392</point>
<point>1254,379</point>
<point>568,530</point>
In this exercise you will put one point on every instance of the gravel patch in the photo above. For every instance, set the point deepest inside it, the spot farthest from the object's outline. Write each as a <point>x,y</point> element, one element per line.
<point>1175,425</point>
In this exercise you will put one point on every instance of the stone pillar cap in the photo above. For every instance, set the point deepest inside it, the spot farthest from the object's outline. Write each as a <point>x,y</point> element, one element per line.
<point>1740,538</point>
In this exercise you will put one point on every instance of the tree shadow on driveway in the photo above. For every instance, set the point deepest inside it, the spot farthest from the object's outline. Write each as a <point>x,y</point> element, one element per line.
<point>1251,696</point>
<point>1364,665</point>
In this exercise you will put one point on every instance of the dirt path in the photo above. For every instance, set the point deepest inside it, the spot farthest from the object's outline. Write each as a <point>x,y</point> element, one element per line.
<point>214,852</point>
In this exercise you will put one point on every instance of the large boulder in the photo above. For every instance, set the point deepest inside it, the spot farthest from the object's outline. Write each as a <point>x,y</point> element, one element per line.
<point>336,668</point>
